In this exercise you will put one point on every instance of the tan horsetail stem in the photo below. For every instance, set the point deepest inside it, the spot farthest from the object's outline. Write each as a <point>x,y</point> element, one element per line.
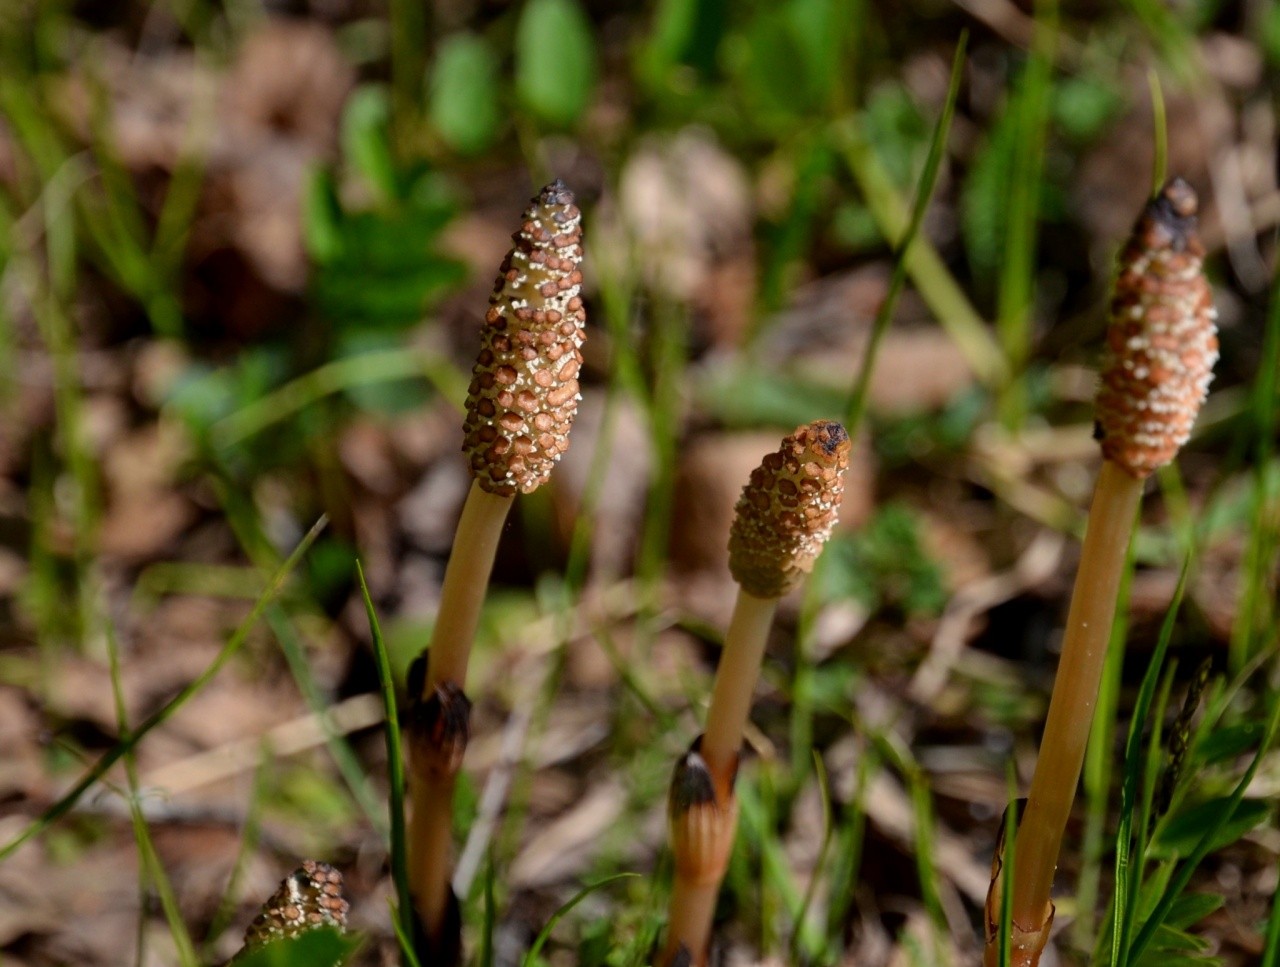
<point>784,516</point>
<point>520,407</point>
<point>1160,350</point>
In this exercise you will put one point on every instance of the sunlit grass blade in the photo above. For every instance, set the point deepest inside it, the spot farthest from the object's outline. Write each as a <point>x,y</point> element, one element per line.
<point>1016,296</point>
<point>395,765</point>
<point>151,867</point>
<point>250,831</point>
<point>1099,761</point>
<point>1180,879</point>
<point>1128,874</point>
<point>69,799</point>
<point>531,958</point>
<point>1271,951</point>
<point>247,524</point>
<point>904,243</point>
<point>1160,132</point>
<point>337,744</point>
<point>819,864</point>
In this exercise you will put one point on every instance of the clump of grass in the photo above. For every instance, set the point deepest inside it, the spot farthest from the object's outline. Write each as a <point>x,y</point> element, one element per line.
<point>784,516</point>
<point>520,406</point>
<point>1161,347</point>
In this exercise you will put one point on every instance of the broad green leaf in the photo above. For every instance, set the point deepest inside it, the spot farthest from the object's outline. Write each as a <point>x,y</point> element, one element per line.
<point>366,139</point>
<point>464,93</point>
<point>555,60</point>
<point>1231,741</point>
<point>684,33</point>
<point>321,218</point>
<point>1191,908</point>
<point>1180,834</point>
<point>322,947</point>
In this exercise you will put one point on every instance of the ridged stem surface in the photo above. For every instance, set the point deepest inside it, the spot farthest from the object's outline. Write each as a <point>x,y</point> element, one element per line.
<point>693,910</point>
<point>1075,692</point>
<point>466,577</point>
<point>735,685</point>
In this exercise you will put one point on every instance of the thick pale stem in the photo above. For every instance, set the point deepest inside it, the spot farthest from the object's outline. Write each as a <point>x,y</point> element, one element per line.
<point>1075,691</point>
<point>465,579</point>
<point>705,836</point>
<point>432,767</point>
<point>735,685</point>
<point>693,909</point>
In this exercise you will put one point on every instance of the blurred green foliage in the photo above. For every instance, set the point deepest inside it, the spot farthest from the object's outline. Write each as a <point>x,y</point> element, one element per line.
<point>884,565</point>
<point>555,60</point>
<point>321,947</point>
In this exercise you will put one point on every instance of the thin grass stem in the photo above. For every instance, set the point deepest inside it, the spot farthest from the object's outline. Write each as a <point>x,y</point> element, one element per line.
<point>395,764</point>
<point>68,800</point>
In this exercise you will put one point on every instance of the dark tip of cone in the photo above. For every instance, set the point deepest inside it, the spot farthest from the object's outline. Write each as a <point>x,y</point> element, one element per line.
<point>1174,212</point>
<point>683,958</point>
<point>556,193</point>
<point>1181,197</point>
<point>830,435</point>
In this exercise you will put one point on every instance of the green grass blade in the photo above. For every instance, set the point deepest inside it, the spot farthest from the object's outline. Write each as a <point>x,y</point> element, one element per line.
<point>1178,883</point>
<point>1160,132</point>
<point>395,764</point>
<point>1125,889</point>
<point>151,867</point>
<point>531,958</point>
<point>1271,950</point>
<point>1098,764</point>
<point>336,376</point>
<point>1016,295</point>
<point>819,864</point>
<point>68,800</point>
<point>928,181</point>
<point>339,748</point>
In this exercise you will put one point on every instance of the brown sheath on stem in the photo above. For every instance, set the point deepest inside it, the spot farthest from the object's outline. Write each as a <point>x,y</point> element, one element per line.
<point>701,822</point>
<point>520,406</point>
<point>1160,351</point>
<point>783,518</point>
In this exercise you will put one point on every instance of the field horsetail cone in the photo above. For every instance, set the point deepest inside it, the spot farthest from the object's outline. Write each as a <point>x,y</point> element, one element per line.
<point>1161,341</point>
<point>308,899</point>
<point>524,388</point>
<point>520,406</point>
<point>784,516</point>
<point>1160,350</point>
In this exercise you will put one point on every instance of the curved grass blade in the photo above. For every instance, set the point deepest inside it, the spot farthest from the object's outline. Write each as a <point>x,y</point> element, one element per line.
<point>1182,877</point>
<point>928,180</point>
<point>395,766</point>
<point>1126,892</point>
<point>127,743</point>
<point>531,958</point>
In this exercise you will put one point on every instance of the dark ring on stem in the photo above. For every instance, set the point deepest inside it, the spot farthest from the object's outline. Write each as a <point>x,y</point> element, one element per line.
<point>692,783</point>
<point>440,728</point>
